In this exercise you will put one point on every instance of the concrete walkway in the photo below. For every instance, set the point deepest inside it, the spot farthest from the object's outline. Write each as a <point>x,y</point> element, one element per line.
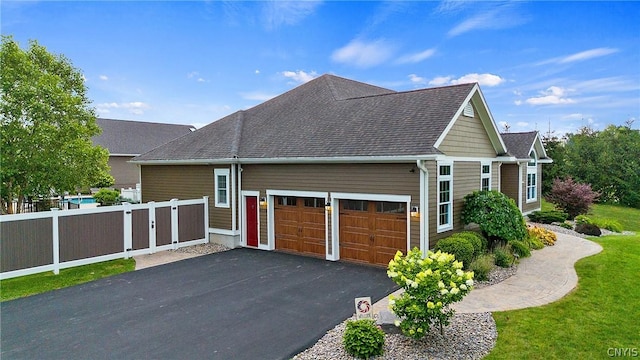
<point>545,277</point>
<point>161,258</point>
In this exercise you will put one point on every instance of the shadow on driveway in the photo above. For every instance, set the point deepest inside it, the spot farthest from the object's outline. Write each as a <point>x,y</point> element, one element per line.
<point>238,304</point>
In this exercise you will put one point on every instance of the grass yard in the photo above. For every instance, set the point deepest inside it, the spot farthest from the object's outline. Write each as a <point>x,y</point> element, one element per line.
<point>600,314</point>
<point>43,282</point>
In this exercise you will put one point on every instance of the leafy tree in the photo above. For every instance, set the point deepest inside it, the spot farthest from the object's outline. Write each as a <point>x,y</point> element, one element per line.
<point>556,150</point>
<point>47,125</point>
<point>571,197</point>
<point>609,160</point>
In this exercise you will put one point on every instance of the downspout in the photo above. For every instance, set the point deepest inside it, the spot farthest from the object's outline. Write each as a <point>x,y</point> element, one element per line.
<point>424,206</point>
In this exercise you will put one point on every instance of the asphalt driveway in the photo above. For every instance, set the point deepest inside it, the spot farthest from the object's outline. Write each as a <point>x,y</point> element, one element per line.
<point>238,304</point>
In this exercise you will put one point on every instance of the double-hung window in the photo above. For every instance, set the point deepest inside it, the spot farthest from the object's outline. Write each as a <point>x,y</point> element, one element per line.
<point>485,176</point>
<point>445,196</point>
<point>532,178</point>
<point>221,177</point>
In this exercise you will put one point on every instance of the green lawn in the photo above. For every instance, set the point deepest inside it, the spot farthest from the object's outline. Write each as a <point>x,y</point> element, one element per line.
<point>629,218</point>
<point>601,313</point>
<point>43,282</point>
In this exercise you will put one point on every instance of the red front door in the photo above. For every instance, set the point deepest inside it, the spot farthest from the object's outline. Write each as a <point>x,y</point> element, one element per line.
<point>251,207</point>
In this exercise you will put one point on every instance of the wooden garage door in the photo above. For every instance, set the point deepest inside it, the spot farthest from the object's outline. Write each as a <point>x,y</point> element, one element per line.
<point>372,231</point>
<point>300,225</point>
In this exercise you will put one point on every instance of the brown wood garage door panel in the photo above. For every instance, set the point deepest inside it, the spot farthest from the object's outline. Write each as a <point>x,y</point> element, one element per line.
<point>370,236</point>
<point>298,227</point>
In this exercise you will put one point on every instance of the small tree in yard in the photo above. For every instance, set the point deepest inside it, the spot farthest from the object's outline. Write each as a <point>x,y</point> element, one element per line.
<point>571,197</point>
<point>497,215</point>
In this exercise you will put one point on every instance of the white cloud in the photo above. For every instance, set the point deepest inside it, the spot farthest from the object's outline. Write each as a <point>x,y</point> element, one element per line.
<point>363,54</point>
<point>134,107</point>
<point>554,95</point>
<point>278,13</point>
<point>440,80</point>
<point>501,16</point>
<point>589,54</point>
<point>300,76</point>
<point>574,116</point>
<point>518,102</point>
<point>415,79</point>
<point>417,57</point>
<point>257,72</point>
<point>580,56</point>
<point>522,124</point>
<point>482,79</point>
<point>104,77</point>
<point>257,95</point>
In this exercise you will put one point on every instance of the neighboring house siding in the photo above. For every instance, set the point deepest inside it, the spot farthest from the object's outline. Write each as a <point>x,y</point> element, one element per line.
<point>162,183</point>
<point>393,179</point>
<point>528,207</point>
<point>467,137</point>
<point>509,180</point>
<point>124,173</point>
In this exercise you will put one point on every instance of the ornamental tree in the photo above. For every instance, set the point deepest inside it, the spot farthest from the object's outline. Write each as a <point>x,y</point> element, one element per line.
<point>572,197</point>
<point>47,126</point>
<point>430,286</point>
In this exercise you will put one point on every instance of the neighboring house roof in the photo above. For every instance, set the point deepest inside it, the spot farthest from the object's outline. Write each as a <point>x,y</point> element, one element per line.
<point>124,137</point>
<point>521,144</point>
<point>328,117</point>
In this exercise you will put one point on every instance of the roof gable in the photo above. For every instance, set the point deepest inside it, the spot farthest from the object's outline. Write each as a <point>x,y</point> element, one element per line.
<point>328,117</point>
<point>124,137</point>
<point>519,145</point>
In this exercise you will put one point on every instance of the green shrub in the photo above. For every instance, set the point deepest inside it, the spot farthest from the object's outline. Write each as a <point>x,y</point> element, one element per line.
<point>363,339</point>
<point>459,247</point>
<point>548,217</point>
<point>534,243</point>
<point>503,256</point>
<point>497,215</point>
<point>611,225</point>
<point>107,197</point>
<point>583,219</point>
<point>566,225</point>
<point>520,247</point>
<point>482,266</point>
<point>431,285</point>
<point>476,239</point>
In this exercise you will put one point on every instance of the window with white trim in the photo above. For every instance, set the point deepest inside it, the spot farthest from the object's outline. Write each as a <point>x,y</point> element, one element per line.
<point>221,180</point>
<point>485,176</point>
<point>532,177</point>
<point>445,196</point>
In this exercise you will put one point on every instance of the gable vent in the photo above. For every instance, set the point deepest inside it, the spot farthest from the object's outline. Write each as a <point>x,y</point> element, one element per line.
<point>468,110</point>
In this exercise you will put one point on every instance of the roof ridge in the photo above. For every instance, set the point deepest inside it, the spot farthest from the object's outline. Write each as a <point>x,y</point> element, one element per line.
<point>331,86</point>
<point>393,92</point>
<point>235,145</point>
<point>144,122</point>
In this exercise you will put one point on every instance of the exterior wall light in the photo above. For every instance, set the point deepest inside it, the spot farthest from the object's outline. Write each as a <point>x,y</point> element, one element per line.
<point>263,202</point>
<point>415,211</point>
<point>327,206</point>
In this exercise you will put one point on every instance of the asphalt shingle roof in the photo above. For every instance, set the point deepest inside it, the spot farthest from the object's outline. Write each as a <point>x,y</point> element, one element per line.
<point>519,144</point>
<point>326,117</point>
<point>136,137</point>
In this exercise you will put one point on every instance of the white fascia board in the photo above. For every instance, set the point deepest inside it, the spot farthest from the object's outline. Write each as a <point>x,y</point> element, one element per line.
<point>132,155</point>
<point>291,160</point>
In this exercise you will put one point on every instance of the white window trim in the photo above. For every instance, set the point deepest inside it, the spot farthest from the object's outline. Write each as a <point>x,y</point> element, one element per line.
<point>216,174</point>
<point>449,225</point>
<point>485,176</point>
<point>532,170</point>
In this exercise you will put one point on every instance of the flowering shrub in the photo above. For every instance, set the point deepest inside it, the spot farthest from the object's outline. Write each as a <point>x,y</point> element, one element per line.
<point>430,285</point>
<point>546,236</point>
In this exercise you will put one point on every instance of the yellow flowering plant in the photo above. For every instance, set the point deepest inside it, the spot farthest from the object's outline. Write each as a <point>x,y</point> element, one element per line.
<point>430,285</point>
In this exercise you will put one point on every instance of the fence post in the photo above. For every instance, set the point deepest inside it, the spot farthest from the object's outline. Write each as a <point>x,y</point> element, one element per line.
<point>56,240</point>
<point>128,229</point>
<point>174,223</point>
<point>152,227</point>
<point>206,218</point>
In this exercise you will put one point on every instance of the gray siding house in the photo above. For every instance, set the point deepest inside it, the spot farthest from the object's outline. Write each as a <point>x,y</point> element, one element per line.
<point>336,169</point>
<point>126,139</point>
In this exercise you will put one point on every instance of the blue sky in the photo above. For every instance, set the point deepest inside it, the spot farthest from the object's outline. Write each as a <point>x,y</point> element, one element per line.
<point>567,64</point>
